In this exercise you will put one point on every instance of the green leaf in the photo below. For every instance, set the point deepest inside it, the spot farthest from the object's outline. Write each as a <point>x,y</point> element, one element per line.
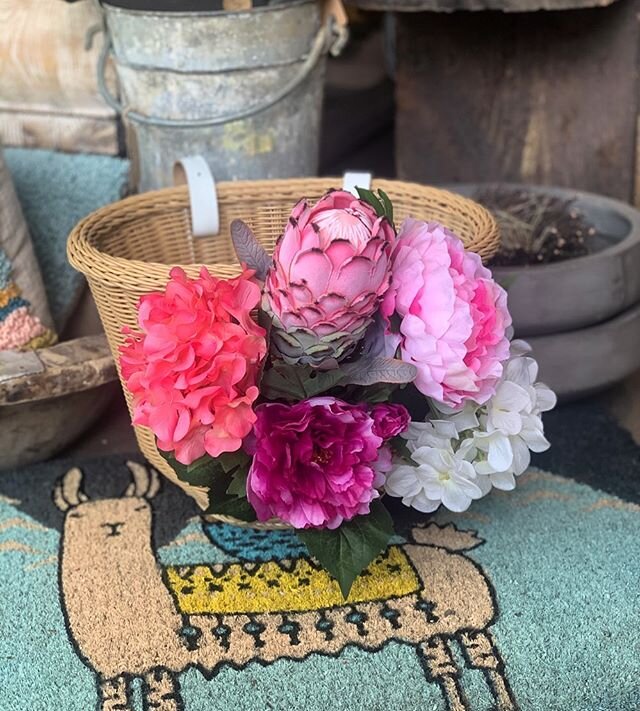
<point>236,506</point>
<point>388,205</point>
<point>370,197</point>
<point>202,472</point>
<point>319,381</point>
<point>282,382</point>
<point>219,485</point>
<point>373,394</point>
<point>225,477</point>
<point>297,382</point>
<point>346,551</point>
<point>229,496</point>
<point>400,447</point>
<point>265,320</point>
<point>238,486</point>
<point>380,203</point>
<point>378,369</point>
<point>230,461</point>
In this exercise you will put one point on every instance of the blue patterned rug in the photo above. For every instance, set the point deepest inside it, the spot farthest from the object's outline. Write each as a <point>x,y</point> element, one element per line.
<point>117,596</point>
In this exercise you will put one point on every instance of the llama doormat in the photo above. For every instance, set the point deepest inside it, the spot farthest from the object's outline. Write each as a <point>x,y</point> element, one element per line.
<point>115,595</point>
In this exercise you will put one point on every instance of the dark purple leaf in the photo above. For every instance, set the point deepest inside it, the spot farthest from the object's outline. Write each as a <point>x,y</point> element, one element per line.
<point>249,250</point>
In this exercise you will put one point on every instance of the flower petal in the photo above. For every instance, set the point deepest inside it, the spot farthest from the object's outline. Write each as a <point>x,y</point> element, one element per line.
<point>500,453</point>
<point>505,481</point>
<point>545,398</point>
<point>455,499</point>
<point>510,397</point>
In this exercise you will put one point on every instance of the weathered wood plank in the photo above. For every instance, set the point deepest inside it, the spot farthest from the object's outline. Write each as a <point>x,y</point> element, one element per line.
<point>70,367</point>
<point>475,5</point>
<point>84,134</point>
<point>48,89</point>
<point>542,97</point>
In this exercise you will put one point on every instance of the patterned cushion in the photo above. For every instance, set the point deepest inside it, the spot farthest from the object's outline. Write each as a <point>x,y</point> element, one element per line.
<point>25,321</point>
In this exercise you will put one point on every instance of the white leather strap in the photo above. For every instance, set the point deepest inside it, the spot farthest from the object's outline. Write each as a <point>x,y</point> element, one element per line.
<point>353,180</point>
<point>205,217</point>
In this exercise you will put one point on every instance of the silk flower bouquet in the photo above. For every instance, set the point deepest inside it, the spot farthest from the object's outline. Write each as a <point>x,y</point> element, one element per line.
<point>280,390</point>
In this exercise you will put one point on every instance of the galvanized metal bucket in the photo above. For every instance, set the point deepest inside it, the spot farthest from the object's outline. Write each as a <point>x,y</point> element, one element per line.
<point>243,89</point>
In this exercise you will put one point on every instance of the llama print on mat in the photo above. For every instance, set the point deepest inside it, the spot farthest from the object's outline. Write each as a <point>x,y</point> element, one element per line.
<point>129,617</point>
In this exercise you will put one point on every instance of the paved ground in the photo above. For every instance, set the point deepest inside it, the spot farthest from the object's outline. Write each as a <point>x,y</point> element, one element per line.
<point>624,403</point>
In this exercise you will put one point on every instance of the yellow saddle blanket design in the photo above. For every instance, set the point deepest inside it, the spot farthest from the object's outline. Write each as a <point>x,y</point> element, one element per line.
<point>285,586</point>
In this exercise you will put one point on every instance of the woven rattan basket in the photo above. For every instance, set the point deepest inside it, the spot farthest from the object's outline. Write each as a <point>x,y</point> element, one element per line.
<point>125,249</point>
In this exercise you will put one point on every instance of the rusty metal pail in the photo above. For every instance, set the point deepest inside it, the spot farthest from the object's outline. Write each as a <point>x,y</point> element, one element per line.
<point>243,89</point>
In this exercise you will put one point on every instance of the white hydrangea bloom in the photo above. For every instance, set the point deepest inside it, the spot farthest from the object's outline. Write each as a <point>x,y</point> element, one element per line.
<point>437,474</point>
<point>510,423</point>
<point>465,419</point>
<point>434,433</point>
<point>463,454</point>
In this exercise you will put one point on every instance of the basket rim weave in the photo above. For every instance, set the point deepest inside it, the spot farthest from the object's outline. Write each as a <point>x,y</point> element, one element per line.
<point>93,262</point>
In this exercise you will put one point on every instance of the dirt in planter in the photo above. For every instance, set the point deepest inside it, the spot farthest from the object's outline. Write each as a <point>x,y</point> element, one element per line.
<point>536,228</point>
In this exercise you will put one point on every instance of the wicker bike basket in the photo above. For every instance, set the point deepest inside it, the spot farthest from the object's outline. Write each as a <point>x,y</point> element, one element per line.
<point>126,249</point>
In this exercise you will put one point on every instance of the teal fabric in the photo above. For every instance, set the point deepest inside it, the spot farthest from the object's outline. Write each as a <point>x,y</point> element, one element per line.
<point>5,270</point>
<point>56,190</point>
<point>562,558</point>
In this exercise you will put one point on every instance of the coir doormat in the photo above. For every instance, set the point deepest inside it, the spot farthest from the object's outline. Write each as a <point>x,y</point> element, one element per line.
<point>115,595</point>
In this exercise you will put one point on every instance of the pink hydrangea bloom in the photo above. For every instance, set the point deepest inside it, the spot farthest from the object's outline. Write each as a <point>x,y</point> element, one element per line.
<point>193,367</point>
<point>453,315</point>
<point>315,463</point>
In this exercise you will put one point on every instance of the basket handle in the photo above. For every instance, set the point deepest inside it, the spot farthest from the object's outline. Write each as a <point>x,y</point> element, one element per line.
<point>353,180</point>
<point>327,39</point>
<point>203,196</point>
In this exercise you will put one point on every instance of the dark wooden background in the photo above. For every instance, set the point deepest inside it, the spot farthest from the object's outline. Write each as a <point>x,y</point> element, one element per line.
<point>544,97</point>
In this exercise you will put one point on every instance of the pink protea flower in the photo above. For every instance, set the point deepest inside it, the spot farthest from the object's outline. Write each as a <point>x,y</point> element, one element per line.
<point>454,316</point>
<point>330,271</point>
<point>192,368</point>
<point>315,463</point>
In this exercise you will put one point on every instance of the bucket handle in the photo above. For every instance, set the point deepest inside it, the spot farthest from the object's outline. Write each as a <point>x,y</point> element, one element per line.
<point>323,42</point>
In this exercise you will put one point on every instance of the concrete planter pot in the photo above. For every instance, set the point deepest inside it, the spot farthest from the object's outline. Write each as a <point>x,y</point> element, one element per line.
<point>582,316</point>
<point>581,362</point>
<point>575,293</point>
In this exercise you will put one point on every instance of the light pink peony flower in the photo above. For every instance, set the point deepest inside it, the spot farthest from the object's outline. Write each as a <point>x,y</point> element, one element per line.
<point>316,463</point>
<point>331,269</point>
<point>192,370</point>
<point>454,316</point>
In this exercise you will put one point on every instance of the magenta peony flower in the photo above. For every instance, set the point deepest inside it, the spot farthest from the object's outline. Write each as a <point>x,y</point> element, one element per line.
<point>331,269</point>
<point>193,368</point>
<point>389,420</point>
<point>454,316</point>
<point>315,463</point>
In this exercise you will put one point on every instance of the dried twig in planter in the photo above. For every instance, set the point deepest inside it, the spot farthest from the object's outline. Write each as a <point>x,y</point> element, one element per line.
<point>536,228</point>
